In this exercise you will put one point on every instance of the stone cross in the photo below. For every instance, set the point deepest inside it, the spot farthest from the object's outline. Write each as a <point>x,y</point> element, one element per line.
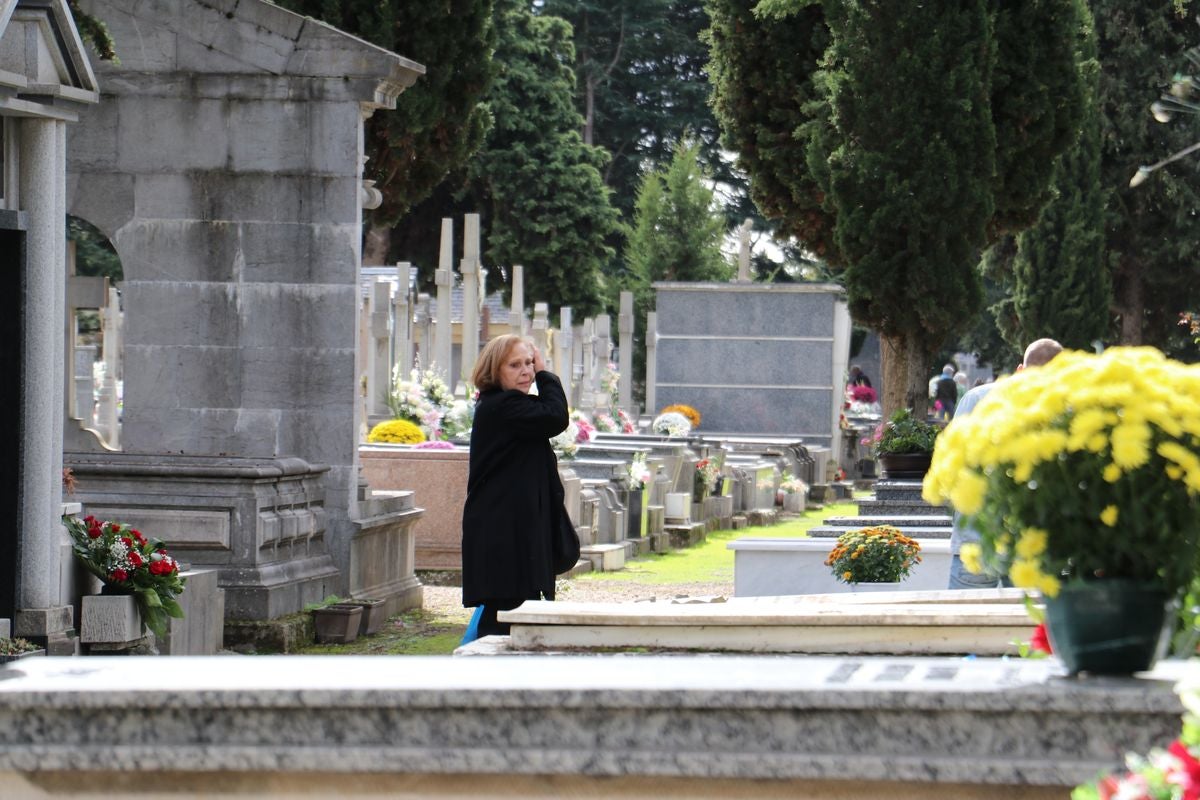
<point>744,251</point>
<point>564,348</point>
<point>516,318</point>
<point>402,343</point>
<point>469,267</point>
<point>424,328</point>
<point>587,391</point>
<point>378,366</point>
<point>541,330</point>
<point>651,355</point>
<point>603,350</point>
<point>440,353</point>
<point>625,345</point>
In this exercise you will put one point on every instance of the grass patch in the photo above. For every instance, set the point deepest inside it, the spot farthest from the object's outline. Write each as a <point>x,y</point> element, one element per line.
<point>711,561</point>
<point>414,633</point>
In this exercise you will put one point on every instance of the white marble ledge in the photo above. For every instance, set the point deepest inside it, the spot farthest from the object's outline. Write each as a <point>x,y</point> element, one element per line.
<point>897,613</point>
<point>713,681</point>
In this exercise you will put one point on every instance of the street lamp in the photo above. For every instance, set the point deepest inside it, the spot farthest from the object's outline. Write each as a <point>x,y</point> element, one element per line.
<point>1176,101</point>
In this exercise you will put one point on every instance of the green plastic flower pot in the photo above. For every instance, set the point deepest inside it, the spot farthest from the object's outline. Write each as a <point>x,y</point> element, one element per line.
<point>1109,626</point>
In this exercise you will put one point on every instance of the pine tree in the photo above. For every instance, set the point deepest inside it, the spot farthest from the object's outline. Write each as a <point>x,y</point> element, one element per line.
<point>677,234</point>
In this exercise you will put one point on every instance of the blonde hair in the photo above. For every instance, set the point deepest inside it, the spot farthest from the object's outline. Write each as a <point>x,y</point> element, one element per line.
<point>486,374</point>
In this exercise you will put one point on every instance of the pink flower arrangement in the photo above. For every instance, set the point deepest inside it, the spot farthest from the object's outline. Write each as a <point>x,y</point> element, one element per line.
<point>434,445</point>
<point>863,394</point>
<point>586,433</point>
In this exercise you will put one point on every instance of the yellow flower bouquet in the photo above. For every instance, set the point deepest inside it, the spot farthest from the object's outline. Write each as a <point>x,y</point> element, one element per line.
<point>1085,468</point>
<point>879,554</point>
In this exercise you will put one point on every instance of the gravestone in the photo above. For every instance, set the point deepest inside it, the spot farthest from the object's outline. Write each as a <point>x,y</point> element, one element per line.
<point>753,358</point>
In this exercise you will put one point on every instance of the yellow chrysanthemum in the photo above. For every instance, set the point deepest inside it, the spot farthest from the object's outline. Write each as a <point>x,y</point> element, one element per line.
<point>968,493</point>
<point>972,557</point>
<point>1112,473</point>
<point>1049,585</point>
<point>1131,444</point>
<point>1109,516</point>
<point>1025,574</point>
<point>1032,543</point>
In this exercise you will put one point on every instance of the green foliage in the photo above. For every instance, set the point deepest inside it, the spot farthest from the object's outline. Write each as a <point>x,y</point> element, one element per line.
<point>771,113</point>
<point>16,646</point>
<point>94,32</point>
<point>1060,285</point>
<point>677,235</point>
<point>1151,236</point>
<point>1037,101</point>
<point>439,121</point>
<point>909,233</point>
<point>538,184</point>
<point>905,433</point>
<point>94,253</point>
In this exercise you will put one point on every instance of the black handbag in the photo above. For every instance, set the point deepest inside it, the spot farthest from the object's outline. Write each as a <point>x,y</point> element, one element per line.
<point>565,545</point>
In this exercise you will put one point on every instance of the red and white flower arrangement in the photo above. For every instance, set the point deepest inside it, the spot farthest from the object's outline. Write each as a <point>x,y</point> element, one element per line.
<point>129,563</point>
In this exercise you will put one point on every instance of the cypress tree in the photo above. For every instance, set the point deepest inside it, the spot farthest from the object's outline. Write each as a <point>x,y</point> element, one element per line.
<point>1060,284</point>
<point>911,180</point>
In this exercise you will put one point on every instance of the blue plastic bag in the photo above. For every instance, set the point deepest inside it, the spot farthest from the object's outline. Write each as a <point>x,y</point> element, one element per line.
<point>472,632</point>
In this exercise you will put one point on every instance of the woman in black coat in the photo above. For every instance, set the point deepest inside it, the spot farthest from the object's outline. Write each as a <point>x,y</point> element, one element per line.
<point>514,496</point>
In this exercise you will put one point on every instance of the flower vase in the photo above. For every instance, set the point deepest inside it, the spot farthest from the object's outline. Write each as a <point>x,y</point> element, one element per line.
<point>1111,626</point>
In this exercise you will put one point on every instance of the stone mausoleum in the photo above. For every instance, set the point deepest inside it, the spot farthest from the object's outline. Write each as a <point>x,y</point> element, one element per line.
<point>225,164</point>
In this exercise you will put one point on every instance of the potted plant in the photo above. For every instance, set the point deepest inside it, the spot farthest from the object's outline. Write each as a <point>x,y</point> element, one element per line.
<point>1081,477</point>
<point>17,648</point>
<point>904,445</point>
<point>336,621</point>
<point>129,564</point>
<point>878,554</point>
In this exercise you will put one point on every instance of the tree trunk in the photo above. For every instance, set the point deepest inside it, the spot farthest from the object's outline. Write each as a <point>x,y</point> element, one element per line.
<point>375,245</point>
<point>893,375</point>
<point>917,389</point>
<point>589,113</point>
<point>1129,300</point>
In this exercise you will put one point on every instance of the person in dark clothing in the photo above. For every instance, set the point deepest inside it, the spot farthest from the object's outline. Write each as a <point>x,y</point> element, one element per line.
<point>947,392</point>
<point>514,495</point>
<point>858,377</point>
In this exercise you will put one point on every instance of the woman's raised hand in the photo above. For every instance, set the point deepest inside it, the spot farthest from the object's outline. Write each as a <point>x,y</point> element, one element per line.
<point>539,363</point>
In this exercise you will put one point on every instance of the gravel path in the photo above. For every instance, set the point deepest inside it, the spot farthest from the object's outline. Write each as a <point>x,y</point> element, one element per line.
<point>446,601</point>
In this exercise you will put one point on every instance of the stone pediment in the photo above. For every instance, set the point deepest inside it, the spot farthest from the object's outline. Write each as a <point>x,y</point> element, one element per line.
<point>249,37</point>
<point>44,70</point>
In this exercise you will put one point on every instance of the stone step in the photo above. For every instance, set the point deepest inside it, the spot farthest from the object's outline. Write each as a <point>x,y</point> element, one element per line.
<point>687,534</point>
<point>912,531</point>
<point>910,508</point>
<point>895,520</point>
<point>897,490</point>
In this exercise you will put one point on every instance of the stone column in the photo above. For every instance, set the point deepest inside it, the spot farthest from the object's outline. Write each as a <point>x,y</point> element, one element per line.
<point>516,317</point>
<point>469,267</point>
<point>651,355</point>
<point>107,418</point>
<point>378,366</point>
<point>625,344</point>
<point>40,612</point>
<point>402,344</point>
<point>603,350</point>
<point>564,348</point>
<point>444,278</point>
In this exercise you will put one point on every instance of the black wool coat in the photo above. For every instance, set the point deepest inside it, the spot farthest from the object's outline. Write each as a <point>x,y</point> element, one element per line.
<point>514,495</point>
